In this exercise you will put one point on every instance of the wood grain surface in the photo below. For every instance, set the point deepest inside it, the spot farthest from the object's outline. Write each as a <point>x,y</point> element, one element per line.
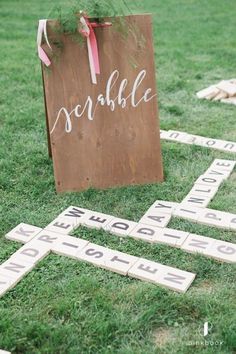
<point>116,148</point>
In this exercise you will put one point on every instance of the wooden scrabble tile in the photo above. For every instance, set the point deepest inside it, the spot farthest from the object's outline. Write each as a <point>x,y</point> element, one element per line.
<point>120,262</point>
<point>218,173</point>
<point>23,233</point>
<point>15,269</point>
<point>154,218</point>
<point>6,284</point>
<point>204,190</point>
<point>163,134</point>
<point>146,270</point>
<point>227,87</point>
<point>215,218</point>
<point>48,238</point>
<point>98,220</point>
<point>74,214</point>
<point>62,226</point>
<point>194,139</point>
<point>174,135</point>
<point>68,246</point>
<point>210,180</point>
<point>144,232</point>
<point>221,95</point>
<point>106,258</point>
<point>223,251</point>
<point>32,252</point>
<point>95,254</point>
<point>176,279</point>
<point>120,227</point>
<point>197,244</point>
<point>189,213</point>
<point>232,221</point>
<point>172,278</point>
<point>229,100</point>
<point>227,165</point>
<point>208,142</point>
<point>210,91</point>
<point>164,207</point>
<point>229,146</point>
<point>171,237</point>
<point>199,201</point>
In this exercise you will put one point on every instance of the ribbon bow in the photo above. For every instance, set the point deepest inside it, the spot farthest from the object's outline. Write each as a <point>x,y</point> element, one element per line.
<point>87,30</point>
<point>42,29</point>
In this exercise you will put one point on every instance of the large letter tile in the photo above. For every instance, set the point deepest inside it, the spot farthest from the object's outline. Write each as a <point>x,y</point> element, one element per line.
<point>48,238</point>
<point>223,251</point>
<point>154,218</point>
<point>74,214</point>
<point>215,218</point>
<point>232,222</point>
<point>62,226</point>
<point>224,174</point>
<point>227,165</point>
<point>107,258</point>
<point>229,146</point>
<point>97,220</point>
<point>177,136</point>
<point>15,269</point>
<point>23,233</point>
<point>201,190</point>
<point>210,180</point>
<point>195,201</point>
<point>157,273</point>
<point>120,227</point>
<point>171,237</point>
<point>6,284</point>
<point>176,279</point>
<point>164,207</point>
<point>188,213</point>
<point>197,244</point>
<point>32,252</point>
<point>69,246</point>
<point>145,232</point>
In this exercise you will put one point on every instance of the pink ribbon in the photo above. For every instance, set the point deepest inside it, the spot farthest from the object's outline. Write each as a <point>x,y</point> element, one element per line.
<point>42,29</point>
<point>87,31</point>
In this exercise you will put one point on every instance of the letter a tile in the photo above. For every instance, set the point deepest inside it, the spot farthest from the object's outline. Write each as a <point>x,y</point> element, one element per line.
<point>155,218</point>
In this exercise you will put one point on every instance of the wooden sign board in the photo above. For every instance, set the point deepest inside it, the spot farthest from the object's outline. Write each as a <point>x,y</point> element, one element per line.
<point>105,134</point>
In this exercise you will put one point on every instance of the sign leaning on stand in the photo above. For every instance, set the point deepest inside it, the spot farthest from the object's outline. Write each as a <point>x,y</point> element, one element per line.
<point>101,104</point>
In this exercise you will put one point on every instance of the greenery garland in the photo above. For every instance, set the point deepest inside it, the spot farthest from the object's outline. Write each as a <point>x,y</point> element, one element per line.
<point>68,20</point>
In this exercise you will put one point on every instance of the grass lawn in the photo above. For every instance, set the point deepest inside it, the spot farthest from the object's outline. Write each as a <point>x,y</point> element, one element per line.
<point>64,306</point>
